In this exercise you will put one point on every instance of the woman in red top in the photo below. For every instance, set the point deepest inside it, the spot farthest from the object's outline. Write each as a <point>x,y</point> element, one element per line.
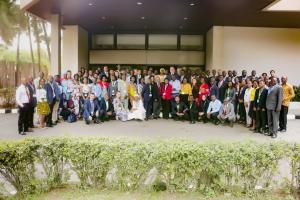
<point>104,86</point>
<point>166,95</point>
<point>203,90</point>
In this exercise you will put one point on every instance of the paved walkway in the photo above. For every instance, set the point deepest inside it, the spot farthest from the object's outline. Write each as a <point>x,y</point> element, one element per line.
<point>154,129</point>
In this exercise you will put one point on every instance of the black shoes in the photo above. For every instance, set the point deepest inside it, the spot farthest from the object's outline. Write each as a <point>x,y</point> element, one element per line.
<point>22,133</point>
<point>274,135</point>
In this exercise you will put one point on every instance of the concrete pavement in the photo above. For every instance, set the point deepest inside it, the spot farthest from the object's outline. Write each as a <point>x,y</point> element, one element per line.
<point>153,129</point>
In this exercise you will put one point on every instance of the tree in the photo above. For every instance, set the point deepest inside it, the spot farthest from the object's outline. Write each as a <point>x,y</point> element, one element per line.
<point>30,44</point>
<point>8,20</point>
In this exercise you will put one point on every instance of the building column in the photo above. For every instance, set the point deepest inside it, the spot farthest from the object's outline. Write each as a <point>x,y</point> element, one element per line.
<point>55,61</point>
<point>215,48</point>
<point>75,49</point>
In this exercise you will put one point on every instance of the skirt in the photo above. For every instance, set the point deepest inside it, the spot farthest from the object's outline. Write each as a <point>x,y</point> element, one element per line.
<point>43,108</point>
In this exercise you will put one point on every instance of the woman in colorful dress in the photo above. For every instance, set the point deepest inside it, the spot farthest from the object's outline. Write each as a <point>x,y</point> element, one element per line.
<point>121,112</point>
<point>43,108</point>
<point>132,90</point>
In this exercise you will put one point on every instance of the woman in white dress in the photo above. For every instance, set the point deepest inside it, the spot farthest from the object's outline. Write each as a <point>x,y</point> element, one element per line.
<point>137,111</point>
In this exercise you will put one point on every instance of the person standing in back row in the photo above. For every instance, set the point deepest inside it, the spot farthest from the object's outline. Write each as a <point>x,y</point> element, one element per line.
<point>288,95</point>
<point>274,101</point>
<point>22,100</point>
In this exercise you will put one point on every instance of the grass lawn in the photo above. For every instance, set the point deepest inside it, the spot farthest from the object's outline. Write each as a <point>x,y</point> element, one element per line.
<point>71,193</point>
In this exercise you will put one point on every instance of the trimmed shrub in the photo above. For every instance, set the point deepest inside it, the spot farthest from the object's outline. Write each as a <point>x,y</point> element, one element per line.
<point>176,166</point>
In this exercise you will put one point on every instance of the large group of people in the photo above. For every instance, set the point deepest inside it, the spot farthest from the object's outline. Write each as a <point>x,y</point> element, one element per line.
<point>221,97</point>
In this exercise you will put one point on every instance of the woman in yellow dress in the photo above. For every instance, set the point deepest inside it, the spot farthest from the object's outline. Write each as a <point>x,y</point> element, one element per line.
<point>132,90</point>
<point>43,108</point>
<point>185,91</point>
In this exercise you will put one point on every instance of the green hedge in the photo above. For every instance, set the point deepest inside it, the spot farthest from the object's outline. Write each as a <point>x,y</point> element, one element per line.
<point>210,168</point>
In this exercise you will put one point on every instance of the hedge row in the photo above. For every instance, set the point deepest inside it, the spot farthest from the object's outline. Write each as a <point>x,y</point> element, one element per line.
<point>134,165</point>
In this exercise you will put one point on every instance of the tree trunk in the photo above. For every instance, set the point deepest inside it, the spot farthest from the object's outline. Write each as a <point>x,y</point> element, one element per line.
<point>17,60</point>
<point>46,39</point>
<point>30,44</point>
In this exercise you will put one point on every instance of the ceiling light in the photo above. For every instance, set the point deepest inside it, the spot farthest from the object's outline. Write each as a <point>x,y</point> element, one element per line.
<point>103,18</point>
<point>139,3</point>
<point>185,18</point>
<point>90,4</point>
<point>142,17</point>
<point>192,4</point>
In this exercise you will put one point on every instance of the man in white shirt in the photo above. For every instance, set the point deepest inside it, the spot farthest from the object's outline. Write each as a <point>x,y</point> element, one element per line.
<point>213,110</point>
<point>22,100</point>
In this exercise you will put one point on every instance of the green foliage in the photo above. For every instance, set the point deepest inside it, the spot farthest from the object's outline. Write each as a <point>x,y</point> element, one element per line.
<point>180,166</point>
<point>297,93</point>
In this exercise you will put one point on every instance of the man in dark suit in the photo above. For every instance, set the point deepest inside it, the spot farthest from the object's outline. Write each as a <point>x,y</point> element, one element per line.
<point>192,110</point>
<point>156,98</point>
<point>106,109</point>
<point>32,102</point>
<point>51,88</point>
<point>222,88</point>
<point>273,102</point>
<point>112,87</point>
<point>260,107</point>
<point>149,91</point>
<point>179,110</point>
<point>91,109</point>
<point>213,89</point>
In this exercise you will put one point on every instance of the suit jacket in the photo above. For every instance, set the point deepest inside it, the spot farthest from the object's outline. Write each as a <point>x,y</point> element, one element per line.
<point>204,106</point>
<point>182,108</point>
<point>222,90</point>
<point>214,90</point>
<point>274,98</point>
<point>231,94</point>
<point>88,108</point>
<point>50,92</point>
<point>229,110</point>
<point>103,106</point>
<point>166,92</point>
<point>32,93</point>
<point>260,102</point>
<point>146,92</point>
<point>112,89</point>
<point>192,107</point>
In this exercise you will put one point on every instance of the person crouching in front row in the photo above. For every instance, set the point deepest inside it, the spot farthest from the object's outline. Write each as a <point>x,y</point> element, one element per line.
<point>213,110</point>
<point>226,113</point>
<point>179,110</point>
<point>91,109</point>
<point>106,112</point>
<point>192,110</point>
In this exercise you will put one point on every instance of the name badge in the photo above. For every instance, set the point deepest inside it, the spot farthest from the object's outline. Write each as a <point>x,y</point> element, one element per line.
<point>164,94</point>
<point>150,95</point>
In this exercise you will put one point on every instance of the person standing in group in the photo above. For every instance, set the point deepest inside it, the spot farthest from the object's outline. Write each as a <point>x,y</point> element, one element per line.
<point>247,100</point>
<point>43,108</point>
<point>288,95</point>
<point>274,102</point>
<point>22,100</point>
<point>32,103</point>
<point>52,91</point>
<point>185,91</point>
<point>222,87</point>
<point>166,95</point>
<point>259,107</point>
<point>156,98</point>
<point>230,92</point>
<point>147,94</point>
<point>203,89</point>
<point>213,89</point>
<point>123,89</point>
<point>175,87</point>
<point>252,113</point>
<point>113,87</point>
